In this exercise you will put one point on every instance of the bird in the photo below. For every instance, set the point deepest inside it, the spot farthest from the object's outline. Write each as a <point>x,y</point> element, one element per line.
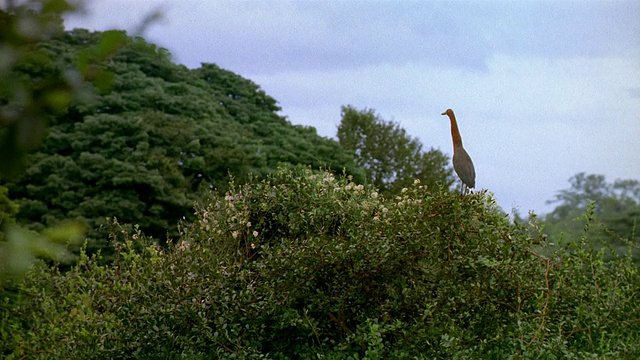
<point>462,163</point>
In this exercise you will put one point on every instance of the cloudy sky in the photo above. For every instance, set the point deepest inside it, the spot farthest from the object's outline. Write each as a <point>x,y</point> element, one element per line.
<point>542,90</point>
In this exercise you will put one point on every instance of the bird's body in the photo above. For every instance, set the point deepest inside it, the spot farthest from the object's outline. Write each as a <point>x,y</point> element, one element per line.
<point>463,166</point>
<point>462,163</point>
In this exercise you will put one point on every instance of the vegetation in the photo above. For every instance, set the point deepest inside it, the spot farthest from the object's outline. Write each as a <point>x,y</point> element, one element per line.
<point>27,102</point>
<point>290,262</point>
<point>614,214</point>
<point>148,142</point>
<point>305,265</point>
<point>31,92</point>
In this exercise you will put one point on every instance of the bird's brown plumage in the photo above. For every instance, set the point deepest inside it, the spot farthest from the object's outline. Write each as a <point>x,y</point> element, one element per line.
<point>462,163</point>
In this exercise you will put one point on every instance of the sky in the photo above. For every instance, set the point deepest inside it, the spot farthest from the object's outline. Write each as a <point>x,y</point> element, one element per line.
<point>542,90</point>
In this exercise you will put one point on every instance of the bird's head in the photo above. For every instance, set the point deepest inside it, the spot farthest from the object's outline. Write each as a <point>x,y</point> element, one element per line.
<point>448,112</point>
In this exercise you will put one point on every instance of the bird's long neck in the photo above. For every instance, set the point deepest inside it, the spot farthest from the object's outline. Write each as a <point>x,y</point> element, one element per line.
<point>455,133</point>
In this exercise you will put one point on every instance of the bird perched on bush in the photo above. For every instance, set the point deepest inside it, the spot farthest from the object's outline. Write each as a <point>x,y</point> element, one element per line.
<point>462,163</point>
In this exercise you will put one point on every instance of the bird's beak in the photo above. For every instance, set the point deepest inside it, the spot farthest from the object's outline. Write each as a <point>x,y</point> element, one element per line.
<point>444,113</point>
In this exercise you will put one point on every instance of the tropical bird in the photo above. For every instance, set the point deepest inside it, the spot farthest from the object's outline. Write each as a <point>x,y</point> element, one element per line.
<point>462,163</point>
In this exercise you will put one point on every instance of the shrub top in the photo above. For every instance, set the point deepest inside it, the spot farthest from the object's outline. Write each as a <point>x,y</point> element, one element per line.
<point>305,264</point>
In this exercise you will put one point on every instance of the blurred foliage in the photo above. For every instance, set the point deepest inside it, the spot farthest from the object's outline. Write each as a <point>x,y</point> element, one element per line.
<point>31,88</point>
<point>390,157</point>
<point>614,214</point>
<point>306,265</point>
<point>32,91</point>
<point>8,209</point>
<point>22,248</point>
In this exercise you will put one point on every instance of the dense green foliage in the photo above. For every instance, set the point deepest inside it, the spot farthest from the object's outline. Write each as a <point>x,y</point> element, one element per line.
<point>145,143</point>
<point>390,157</point>
<point>615,219</point>
<point>304,265</point>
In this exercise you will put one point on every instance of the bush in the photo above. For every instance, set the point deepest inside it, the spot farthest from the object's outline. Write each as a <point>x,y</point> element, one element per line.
<point>304,265</point>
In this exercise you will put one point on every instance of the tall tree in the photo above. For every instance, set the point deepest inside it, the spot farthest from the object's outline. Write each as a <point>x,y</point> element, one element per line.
<point>145,147</point>
<point>391,158</point>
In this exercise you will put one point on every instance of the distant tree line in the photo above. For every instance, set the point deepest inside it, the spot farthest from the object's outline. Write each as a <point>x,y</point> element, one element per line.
<point>609,211</point>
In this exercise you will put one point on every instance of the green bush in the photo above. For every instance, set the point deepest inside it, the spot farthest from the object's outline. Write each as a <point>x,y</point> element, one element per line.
<point>304,265</point>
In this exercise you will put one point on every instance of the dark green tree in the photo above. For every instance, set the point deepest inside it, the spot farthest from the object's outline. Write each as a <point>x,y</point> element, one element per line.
<point>391,158</point>
<point>146,143</point>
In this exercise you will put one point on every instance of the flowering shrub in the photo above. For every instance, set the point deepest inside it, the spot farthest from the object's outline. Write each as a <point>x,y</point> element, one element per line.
<point>306,265</point>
